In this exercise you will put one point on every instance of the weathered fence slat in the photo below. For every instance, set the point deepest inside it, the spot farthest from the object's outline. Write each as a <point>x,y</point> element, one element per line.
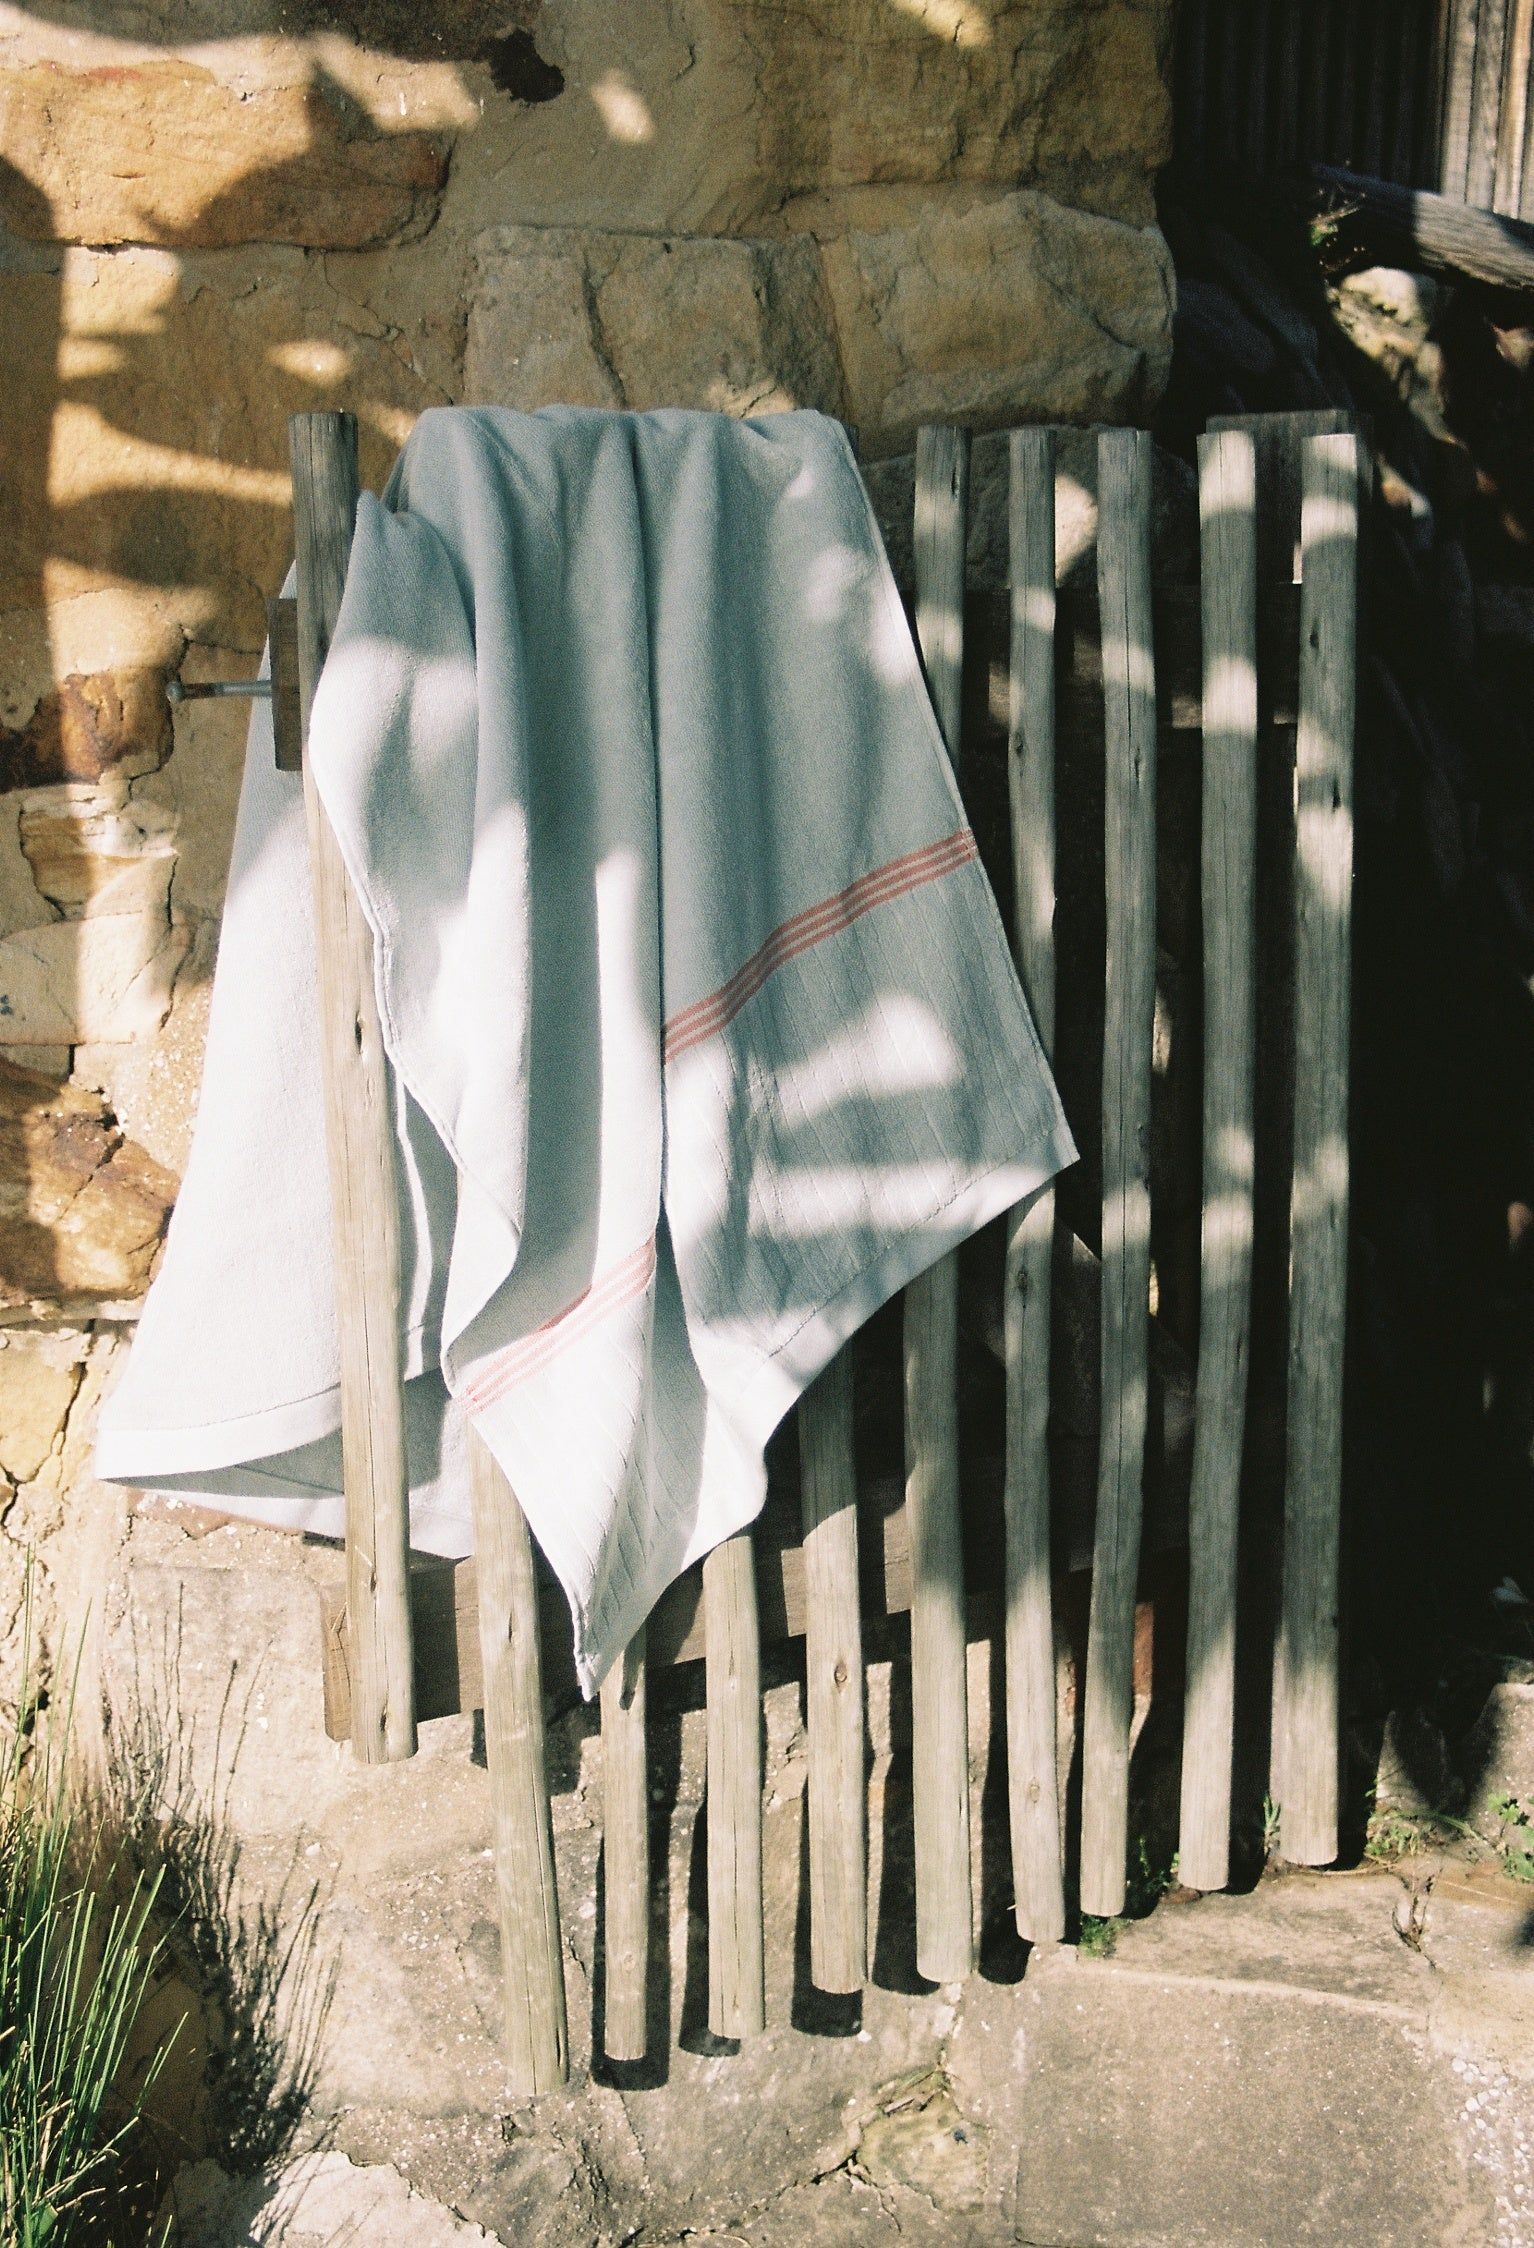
<point>1512,138</point>
<point>1458,96</point>
<point>1038,1885</point>
<point>1124,582</point>
<point>833,1673</point>
<point>939,1692</point>
<point>1306,1719</point>
<point>1228,514</point>
<point>736,1991</point>
<point>359,1130</point>
<point>625,1856</point>
<point>532,1971</point>
<point>1486,104</point>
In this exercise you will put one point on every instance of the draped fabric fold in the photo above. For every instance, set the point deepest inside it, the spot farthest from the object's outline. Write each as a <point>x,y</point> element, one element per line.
<point>705,1033</point>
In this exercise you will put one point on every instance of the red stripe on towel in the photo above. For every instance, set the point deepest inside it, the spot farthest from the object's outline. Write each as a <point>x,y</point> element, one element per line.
<point>531,1353</point>
<point>705,1017</point>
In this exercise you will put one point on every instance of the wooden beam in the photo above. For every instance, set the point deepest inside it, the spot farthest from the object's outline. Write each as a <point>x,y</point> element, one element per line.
<point>1124,576</point>
<point>359,1126</point>
<point>1406,226</point>
<point>939,1687</point>
<point>1032,1782</point>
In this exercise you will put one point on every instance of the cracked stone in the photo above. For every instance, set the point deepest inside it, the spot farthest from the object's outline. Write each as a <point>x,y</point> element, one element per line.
<point>165,152</point>
<point>82,1210</point>
<point>39,1381</point>
<point>588,318</point>
<point>87,724</point>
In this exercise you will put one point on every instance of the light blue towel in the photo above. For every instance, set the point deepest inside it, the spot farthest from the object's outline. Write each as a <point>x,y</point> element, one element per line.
<point>706,1032</point>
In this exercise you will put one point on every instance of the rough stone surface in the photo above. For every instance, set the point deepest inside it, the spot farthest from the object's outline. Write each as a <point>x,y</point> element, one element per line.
<point>39,1381</point>
<point>82,1209</point>
<point>1017,309</point>
<point>164,151</point>
<point>1500,1753</point>
<point>638,320</point>
<point>318,2200</point>
<point>86,725</point>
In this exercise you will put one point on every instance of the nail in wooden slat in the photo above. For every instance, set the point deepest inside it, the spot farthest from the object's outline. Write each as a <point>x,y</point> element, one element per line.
<point>736,1991</point>
<point>939,1689</point>
<point>359,1124</point>
<point>1228,513</point>
<point>833,1669</point>
<point>1124,592</point>
<point>1032,1782</point>
<point>532,1969</point>
<point>625,1856</point>
<point>1306,1721</point>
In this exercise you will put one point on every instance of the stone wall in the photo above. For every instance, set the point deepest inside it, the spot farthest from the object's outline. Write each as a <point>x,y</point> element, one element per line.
<point>216,212</point>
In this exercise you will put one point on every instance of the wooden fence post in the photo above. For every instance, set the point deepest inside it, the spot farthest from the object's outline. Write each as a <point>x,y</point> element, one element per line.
<point>532,1970</point>
<point>625,1856</point>
<point>833,1671</point>
<point>359,1126</point>
<point>1228,510</point>
<point>1129,690</point>
<point>939,1682</point>
<point>737,2005</point>
<point>1306,1717</point>
<point>1032,1776</point>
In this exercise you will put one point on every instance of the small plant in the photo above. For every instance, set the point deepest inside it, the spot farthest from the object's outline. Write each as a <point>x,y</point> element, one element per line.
<point>1272,1826</point>
<point>1099,1937</point>
<point>75,1971</point>
<point>1515,1845</point>
<point>1147,1883</point>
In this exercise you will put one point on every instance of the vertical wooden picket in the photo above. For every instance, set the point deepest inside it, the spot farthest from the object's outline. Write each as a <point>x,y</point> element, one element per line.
<point>737,2005</point>
<point>1033,1794</point>
<point>625,1855</point>
<point>1129,690</point>
<point>1305,1719</point>
<point>532,1970</point>
<point>1228,513</point>
<point>833,1672</point>
<point>939,1690</point>
<point>359,1130</point>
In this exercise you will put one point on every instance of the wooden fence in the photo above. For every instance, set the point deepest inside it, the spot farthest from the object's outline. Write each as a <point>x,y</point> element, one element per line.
<point>1252,672</point>
<point>1424,93</point>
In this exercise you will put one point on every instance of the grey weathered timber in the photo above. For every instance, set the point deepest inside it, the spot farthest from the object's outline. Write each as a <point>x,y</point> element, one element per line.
<point>1228,518</point>
<point>833,1674</point>
<point>1485,104</point>
<point>1458,95</point>
<point>1032,1785</point>
<point>1124,581</point>
<point>1407,226</point>
<point>532,1972</point>
<point>1512,137</point>
<point>737,2004</point>
<point>287,700</point>
<point>1306,1718</point>
<point>939,1691</point>
<point>625,1855</point>
<point>359,1127</point>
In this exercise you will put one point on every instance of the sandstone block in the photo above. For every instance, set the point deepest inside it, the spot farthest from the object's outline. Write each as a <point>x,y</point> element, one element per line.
<point>86,725</point>
<point>90,860</point>
<point>82,1209</point>
<point>1498,1760</point>
<point>107,976</point>
<point>164,151</point>
<point>637,320</point>
<point>39,1380</point>
<point>1016,309</point>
